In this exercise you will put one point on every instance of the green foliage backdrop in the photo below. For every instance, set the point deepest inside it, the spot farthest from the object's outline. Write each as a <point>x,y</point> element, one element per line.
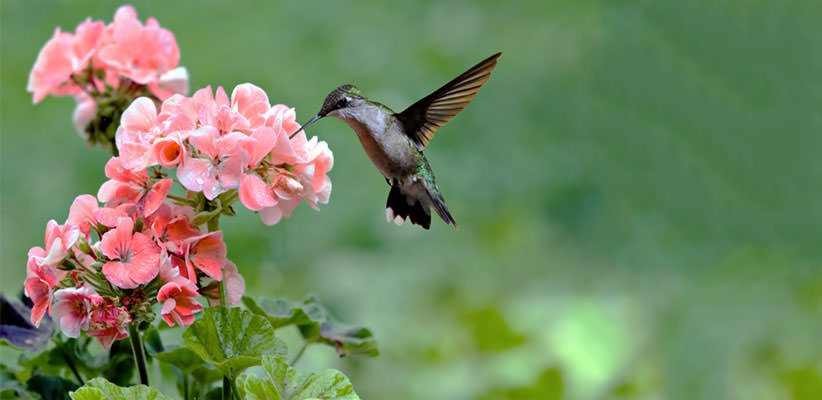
<point>638,188</point>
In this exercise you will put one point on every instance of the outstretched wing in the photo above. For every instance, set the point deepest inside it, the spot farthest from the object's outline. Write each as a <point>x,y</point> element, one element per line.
<point>424,117</point>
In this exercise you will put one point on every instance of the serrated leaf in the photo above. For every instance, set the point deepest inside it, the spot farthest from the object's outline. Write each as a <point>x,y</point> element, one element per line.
<point>182,358</point>
<point>315,324</point>
<point>232,339</point>
<point>279,312</point>
<point>101,389</point>
<point>286,383</point>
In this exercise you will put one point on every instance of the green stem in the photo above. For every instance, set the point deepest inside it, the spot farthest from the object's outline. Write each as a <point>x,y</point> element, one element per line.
<point>178,198</point>
<point>68,361</point>
<point>299,353</point>
<point>226,388</point>
<point>185,386</point>
<point>214,225</point>
<point>137,350</point>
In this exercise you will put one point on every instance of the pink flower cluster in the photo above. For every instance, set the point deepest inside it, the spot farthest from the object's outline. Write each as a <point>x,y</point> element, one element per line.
<point>145,54</point>
<point>107,264</point>
<point>219,144</point>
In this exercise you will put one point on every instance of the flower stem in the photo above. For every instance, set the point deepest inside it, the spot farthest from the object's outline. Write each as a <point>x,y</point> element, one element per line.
<point>68,361</point>
<point>137,350</point>
<point>299,353</point>
<point>226,388</point>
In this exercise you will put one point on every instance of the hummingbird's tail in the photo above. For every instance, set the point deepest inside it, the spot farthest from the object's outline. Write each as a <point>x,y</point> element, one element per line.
<point>414,201</point>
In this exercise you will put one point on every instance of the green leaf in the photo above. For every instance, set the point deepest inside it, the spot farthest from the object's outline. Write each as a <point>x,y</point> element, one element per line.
<point>182,358</point>
<point>50,387</point>
<point>286,383</point>
<point>206,374</point>
<point>315,324</point>
<point>282,312</point>
<point>232,339</point>
<point>120,366</point>
<point>101,389</point>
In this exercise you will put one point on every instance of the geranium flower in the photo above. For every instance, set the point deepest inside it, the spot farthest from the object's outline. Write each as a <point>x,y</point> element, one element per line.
<point>139,52</point>
<point>128,187</point>
<point>40,280</point>
<point>218,164</point>
<point>206,253</point>
<point>178,301</point>
<point>234,286</point>
<point>137,258</point>
<point>72,309</point>
<point>108,323</point>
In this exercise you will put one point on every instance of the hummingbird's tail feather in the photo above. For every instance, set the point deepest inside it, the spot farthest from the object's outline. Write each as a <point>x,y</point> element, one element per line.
<point>415,203</point>
<point>439,206</point>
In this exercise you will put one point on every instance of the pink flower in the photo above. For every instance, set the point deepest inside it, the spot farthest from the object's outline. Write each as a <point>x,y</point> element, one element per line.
<point>81,213</point>
<point>206,253</point>
<point>146,54</point>
<point>72,308</point>
<point>234,285</point>
<point>53,68</point>
<point>140,53</point>
<point>127,187</point>
<point>178,301</point>
<point>169,151</point>
<point>137,257</point>
<point>84,112</point>
<point>108,323</point>
<point>59,239</point>
<point>283,188</point>
<point>219,162</point>
<point>40,280</point>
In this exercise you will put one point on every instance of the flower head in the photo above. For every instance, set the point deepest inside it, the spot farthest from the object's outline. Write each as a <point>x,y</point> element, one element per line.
<point>73,307</point>
<point>136,259</point>
<point>178,302</point>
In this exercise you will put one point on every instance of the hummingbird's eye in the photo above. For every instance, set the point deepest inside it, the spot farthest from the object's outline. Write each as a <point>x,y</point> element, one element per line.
<point>342,102</point>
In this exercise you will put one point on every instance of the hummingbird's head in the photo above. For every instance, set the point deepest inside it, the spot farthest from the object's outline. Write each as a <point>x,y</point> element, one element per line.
<point>337,103</point>
<point>341,98</point>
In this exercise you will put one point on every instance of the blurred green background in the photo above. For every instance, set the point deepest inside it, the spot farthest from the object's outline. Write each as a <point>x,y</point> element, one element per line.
<point>638,188</point>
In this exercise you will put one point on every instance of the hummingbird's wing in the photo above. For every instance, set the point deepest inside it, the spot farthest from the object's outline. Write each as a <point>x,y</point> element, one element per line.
<point>424,117</point>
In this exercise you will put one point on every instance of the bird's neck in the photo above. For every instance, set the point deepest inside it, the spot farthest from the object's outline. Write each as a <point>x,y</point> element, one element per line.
<point>367,119</point>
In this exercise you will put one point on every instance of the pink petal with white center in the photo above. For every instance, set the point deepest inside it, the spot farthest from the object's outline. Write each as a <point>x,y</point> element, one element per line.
<point>140,263</point>
<point>115,243</point>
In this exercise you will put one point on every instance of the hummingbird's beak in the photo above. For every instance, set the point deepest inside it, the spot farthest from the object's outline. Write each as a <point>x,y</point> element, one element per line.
<point>313,120</point>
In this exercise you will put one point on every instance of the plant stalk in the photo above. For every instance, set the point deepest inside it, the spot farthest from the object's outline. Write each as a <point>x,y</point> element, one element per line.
<point>139,355</point>
<point>226,388</point>
<point>68,360</point>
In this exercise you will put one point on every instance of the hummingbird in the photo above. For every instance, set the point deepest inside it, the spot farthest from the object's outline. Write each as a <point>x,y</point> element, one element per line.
<point>395,141</point>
